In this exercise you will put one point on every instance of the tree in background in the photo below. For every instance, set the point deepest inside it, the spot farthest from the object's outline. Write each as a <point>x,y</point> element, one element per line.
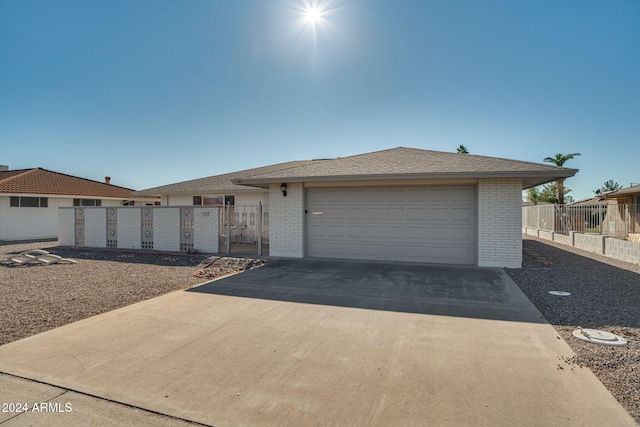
<point>610,185</point>
<point>549,193</point>
<point>533,195</point>
<point>560,160</point>
<point>462,149</point>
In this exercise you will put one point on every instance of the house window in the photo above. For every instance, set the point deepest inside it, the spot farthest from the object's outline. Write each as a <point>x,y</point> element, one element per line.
<point>87,202</point>
<point>28,202</point>
<point>214,200</point>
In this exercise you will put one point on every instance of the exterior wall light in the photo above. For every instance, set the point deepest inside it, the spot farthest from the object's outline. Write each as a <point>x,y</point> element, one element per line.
<point>283,187</point>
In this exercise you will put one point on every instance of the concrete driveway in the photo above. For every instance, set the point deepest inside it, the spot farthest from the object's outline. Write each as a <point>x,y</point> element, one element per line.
<point>310,342</point>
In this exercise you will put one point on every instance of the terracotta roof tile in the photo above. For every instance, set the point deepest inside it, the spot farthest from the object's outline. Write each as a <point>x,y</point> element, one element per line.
<point>42,181</point>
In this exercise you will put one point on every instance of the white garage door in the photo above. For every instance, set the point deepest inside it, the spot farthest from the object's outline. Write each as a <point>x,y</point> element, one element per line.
<point>425,224</point>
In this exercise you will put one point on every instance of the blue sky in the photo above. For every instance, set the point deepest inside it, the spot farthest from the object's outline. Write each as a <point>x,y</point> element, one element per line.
<point>155,92</point>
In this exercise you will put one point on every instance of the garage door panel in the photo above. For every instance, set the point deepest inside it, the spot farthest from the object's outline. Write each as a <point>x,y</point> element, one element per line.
<point>438,214</point>
<point>461,214</point>
<point>416,195</point>
<point>336,196</point>
<point>354,232</point>
<point>395,196</point>
<point>374,232</point>
<point>436,195</point>
<point>354,214</point>
<point>374,196</point>
<point>395,233</point>
<point>335,230</point>
<point>461,194</point>
<point>461,234</point>
<point>438,234</point>
<point>374,214</point>
<point>421,224</point>
<point>374,251</point>
<point>334,213</point>
<point>395,252</point>
<point>416,214</point>
<point>355,249</point>
<point>416,233</point>
<point>395,214</point>
<point>316,230</point>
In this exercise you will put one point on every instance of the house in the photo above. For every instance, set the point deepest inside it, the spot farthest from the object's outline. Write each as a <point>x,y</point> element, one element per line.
<point>625,220</point>
<point>400,204</point>
<point>30,198</point>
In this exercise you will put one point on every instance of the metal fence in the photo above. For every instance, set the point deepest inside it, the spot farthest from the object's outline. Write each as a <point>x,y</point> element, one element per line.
<point>612,220</point>
<point>248,228</point>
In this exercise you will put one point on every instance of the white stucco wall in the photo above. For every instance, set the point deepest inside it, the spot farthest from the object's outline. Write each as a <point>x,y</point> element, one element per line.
<point>500,223</point>
<point>286,221</point>
<point>18,223</point>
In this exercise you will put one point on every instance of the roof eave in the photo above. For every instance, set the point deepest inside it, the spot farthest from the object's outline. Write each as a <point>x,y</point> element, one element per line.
<point>530,178</point>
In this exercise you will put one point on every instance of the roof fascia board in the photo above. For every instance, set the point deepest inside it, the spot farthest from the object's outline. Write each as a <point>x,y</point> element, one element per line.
<point>559,174</point>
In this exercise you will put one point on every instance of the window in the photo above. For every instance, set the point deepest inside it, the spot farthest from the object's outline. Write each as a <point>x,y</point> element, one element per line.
<point>214,200</point>
<point>87,202</point>
<point>28,202</point>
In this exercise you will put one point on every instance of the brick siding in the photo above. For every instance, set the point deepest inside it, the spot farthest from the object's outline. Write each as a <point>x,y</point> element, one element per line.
<point>286,221</point>
<point>500,223</point>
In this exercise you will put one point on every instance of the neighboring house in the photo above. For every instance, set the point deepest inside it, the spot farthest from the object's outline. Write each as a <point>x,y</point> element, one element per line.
<point>627,217</point>
<point>30,198</point>
<point>400,204</point>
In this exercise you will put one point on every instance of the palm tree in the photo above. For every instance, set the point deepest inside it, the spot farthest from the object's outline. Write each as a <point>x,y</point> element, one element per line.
<point>533,195</point>
<point>462,149</point>
<point>610,185</point>
<point>559,160</point>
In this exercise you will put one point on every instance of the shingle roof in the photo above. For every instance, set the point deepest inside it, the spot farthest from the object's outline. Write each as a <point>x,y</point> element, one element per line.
<point>42,181</point>
<point>403,163</point>
<point>634,189</point>
<point>219,183</point>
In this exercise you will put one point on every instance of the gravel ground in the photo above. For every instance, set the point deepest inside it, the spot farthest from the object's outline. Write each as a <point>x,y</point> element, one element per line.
<point>605,295</point>
<point>36,298</point>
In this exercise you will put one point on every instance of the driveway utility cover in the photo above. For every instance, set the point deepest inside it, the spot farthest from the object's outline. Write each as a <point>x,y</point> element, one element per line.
<point>600,337</point>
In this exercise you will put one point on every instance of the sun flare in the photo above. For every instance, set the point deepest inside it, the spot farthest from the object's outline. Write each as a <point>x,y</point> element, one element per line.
<point>312,15</point>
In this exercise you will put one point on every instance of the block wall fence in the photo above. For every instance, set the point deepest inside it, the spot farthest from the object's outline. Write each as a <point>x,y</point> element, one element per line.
<point>619,249</point>
<point>159,228</point>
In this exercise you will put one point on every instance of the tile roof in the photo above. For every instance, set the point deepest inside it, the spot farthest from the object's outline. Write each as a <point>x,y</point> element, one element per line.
<point>403,163</point>
<point>218,183</point>
<point>42,181</point>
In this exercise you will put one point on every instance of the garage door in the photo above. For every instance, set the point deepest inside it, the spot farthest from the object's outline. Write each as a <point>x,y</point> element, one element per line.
<point>426,224</point>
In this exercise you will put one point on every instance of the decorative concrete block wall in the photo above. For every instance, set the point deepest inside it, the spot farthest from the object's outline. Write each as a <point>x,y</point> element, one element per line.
<point>94,235</point>
<point>66,227</point>
<point>561,238</point>
<point>129,228</point>
<point>147,227</point>
<point>286,221</point>
<point>166,224</point>
<point>206,228</point>
<point>500,223</point>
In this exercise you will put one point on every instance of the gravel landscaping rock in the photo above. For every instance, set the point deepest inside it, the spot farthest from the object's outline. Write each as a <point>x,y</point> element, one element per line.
<point>37,297</point>
<point>605,295</point>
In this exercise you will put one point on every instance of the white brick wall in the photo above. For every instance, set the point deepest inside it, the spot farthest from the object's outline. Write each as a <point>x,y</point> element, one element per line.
<point>95,229</point>
<point>286,221</point>
<point>623,250</point>
<point>129,228</point>
<point>166,229</point>
<point>205,227</point>
<point>66,227</point>
<point>500,223</point>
